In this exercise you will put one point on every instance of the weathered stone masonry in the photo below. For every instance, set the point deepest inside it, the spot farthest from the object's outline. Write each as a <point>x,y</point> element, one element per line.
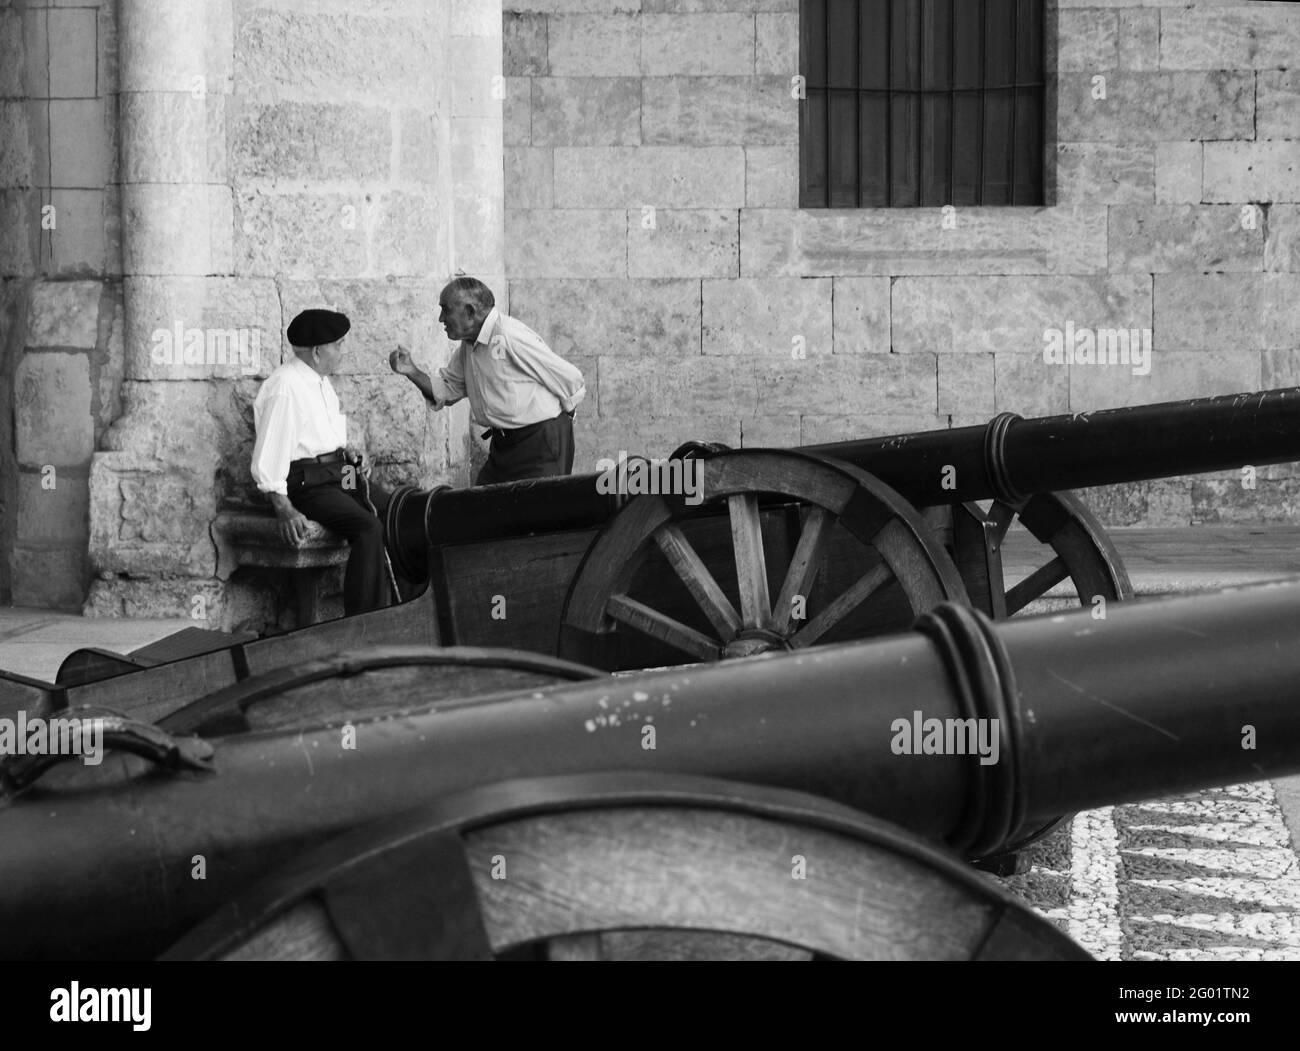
<point>61,317</point>
<point>615,107</point>
<point>258,157</point>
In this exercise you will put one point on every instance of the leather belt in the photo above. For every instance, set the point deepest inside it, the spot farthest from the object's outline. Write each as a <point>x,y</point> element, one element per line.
<point>505,432</point>
<point>493,432</point>
<point>335,457</point>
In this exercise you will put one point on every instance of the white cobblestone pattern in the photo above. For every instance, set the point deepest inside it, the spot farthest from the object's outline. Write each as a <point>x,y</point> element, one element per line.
<point>1207,876</point>
<point>1094,870</point>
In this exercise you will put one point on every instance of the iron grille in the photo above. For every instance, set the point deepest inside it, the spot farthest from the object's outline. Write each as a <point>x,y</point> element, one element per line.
<point>921,103</point>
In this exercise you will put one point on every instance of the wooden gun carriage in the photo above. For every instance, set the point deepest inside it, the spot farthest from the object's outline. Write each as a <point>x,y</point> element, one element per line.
<point>781,550</point>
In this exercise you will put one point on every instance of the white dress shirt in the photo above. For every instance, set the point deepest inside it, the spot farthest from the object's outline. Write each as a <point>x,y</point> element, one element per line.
<point>296,415</point>
<point>511,377</point>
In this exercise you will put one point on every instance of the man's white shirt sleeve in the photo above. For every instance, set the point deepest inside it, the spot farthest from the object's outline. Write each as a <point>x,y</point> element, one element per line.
<point>448,382</point>
<point>274,446</point>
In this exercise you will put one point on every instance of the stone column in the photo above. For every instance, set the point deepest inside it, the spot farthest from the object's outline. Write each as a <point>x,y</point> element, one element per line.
<point>153,492</point>
<point>60,295</point>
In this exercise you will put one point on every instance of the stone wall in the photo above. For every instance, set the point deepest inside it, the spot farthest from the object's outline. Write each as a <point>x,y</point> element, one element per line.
<point>225,164</point>
<point>61,320</point>
<point>654,235</point>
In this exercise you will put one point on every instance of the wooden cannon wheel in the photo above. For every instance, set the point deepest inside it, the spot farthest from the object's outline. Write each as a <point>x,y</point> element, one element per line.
<point>1081,552</point>
<point>627,866</point>
<point>785,511</point>
<point>325,689</point>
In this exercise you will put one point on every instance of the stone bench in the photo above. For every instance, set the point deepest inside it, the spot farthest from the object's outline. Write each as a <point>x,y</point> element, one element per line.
<point>252,538</point>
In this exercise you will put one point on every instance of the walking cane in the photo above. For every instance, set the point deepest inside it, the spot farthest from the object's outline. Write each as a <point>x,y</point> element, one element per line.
<point>364,474</point>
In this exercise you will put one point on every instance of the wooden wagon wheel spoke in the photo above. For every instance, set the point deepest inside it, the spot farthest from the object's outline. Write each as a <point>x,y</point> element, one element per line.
<point>804,564</point>
<point>1083,553</point>
<point>1079,548</point>
<point>662,627</point>
<point>1000,516</point>
<point>842,606</point>
<point>1036,585</point>
<point>699,581</point>
<point>751,563</point>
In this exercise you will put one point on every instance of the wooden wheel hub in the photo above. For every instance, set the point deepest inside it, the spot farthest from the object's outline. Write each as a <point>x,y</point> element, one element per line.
<point>752,641</point>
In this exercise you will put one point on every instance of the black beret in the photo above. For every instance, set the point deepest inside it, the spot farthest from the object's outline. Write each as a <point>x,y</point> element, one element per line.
<point>311,328</point>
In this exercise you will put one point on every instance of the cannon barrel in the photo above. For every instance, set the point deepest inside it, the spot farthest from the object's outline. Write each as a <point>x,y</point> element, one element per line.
<point>1158,698</point>
<point>1009,459</point>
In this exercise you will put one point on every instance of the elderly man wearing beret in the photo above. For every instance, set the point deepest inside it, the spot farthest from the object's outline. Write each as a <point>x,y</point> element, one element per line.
<point>518,388</point>
<point>302,462</point>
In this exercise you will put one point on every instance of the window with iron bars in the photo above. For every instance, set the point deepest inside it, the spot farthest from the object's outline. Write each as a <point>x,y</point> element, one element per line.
<point>921,103</point>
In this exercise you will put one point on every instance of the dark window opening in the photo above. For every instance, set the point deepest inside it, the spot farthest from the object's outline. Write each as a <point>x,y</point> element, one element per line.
<point>921,103</point>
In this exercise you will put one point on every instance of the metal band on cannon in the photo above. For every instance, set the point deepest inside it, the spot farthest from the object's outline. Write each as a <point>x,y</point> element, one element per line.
<point>984,685</point>
<point>995,458</point>
<point>408,560</point>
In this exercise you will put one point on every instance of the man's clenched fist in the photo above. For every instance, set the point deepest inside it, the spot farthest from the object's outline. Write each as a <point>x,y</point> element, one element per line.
<point>400,361</point>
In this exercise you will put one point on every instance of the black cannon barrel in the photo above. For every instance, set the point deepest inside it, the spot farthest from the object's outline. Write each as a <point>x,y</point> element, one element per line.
<point>1009,458</point>
<point>489,512</point>
<point>1158,698</point>
<point>1013,458</point>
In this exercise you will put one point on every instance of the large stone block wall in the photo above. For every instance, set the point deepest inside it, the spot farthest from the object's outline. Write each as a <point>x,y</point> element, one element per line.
<point>61,308</point>
<point>654,235</point>
<point>217,166</point>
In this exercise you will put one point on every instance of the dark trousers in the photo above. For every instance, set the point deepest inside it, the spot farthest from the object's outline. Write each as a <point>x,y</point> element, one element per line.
<point>536,451</point>
<point>317,491</point>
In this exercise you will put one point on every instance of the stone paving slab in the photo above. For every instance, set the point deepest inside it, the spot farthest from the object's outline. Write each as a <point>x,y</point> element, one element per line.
<point>34,642</point>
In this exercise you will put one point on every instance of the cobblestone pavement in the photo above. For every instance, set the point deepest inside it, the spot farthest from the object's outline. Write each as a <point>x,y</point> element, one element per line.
<point>1211,875</point>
